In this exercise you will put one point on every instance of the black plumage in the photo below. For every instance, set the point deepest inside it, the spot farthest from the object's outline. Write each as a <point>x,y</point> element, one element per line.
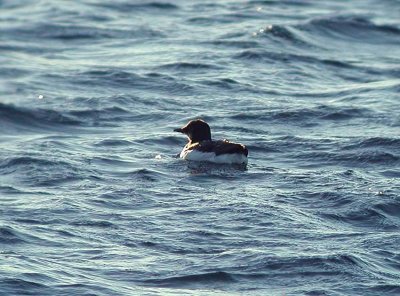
<point>199,135</point>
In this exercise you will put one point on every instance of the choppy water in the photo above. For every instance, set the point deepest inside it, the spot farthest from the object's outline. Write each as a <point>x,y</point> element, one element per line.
<point>93,200</point>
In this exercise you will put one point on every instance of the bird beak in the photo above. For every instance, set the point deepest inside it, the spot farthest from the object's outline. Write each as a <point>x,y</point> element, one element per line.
<point>179,130</point>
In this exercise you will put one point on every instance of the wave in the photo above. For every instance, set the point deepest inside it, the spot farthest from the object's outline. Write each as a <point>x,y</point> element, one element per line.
<point>42,172</point>
<point>323,112</point>
<point>129,6</point>
<point>381,215</point>
<point>279,3</point>
<point>361,158</point>
<point>320,33</point>
<point>110,76</point>
<point>272,56</point>
<point>119,79</point>
<point>187,66</point>
<point>26,119</point>
<point>169,141</point>
<point>373,150</point>
<point>110,114</point>
<point>285,34</point>
<point>391,173</point>
<point>147,175</point>
<point>368,77</point>
<point>123,169</point>
<point>311,265</point>
<point>24,160</point>
<point>390,289</point>
<point>241,44</point>
<point>75,32</point>
<point>310,40</point>
<point>353,21</point>
<point>113,143</point>
<point>268,268</point>
<point>391,208</point>
<point>18,286</point>
<point>355,27</point>
<point>331,198</point>
<point>374,142</point>
<point>223,18</point>
<point>202,278</point>
<point>15,5</point>
<point>124,101</point>
<point>7,72</point>
<point>10,190</point>
<point>10,236</point>
<point>93,223</point>
<point>116,113</point>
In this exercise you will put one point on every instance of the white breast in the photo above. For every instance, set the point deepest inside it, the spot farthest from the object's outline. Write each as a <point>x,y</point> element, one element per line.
<point>231,158</point>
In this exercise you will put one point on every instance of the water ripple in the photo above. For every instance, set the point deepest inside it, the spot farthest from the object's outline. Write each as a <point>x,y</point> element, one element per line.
<point>94,200</point>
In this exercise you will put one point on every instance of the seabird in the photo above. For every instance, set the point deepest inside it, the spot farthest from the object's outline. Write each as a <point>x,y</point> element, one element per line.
<point>202,148</point>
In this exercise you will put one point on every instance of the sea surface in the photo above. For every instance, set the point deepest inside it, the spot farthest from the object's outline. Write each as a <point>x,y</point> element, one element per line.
<point>93,200</point>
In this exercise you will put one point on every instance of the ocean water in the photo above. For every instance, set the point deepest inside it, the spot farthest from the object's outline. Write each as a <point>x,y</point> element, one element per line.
<point>93,200</point>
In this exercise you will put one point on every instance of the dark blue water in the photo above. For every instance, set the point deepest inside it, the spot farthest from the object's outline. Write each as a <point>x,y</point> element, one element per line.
<point>93,200</point>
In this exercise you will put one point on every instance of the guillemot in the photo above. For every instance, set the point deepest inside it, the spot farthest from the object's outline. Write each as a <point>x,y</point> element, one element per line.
<point>202,148</point>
